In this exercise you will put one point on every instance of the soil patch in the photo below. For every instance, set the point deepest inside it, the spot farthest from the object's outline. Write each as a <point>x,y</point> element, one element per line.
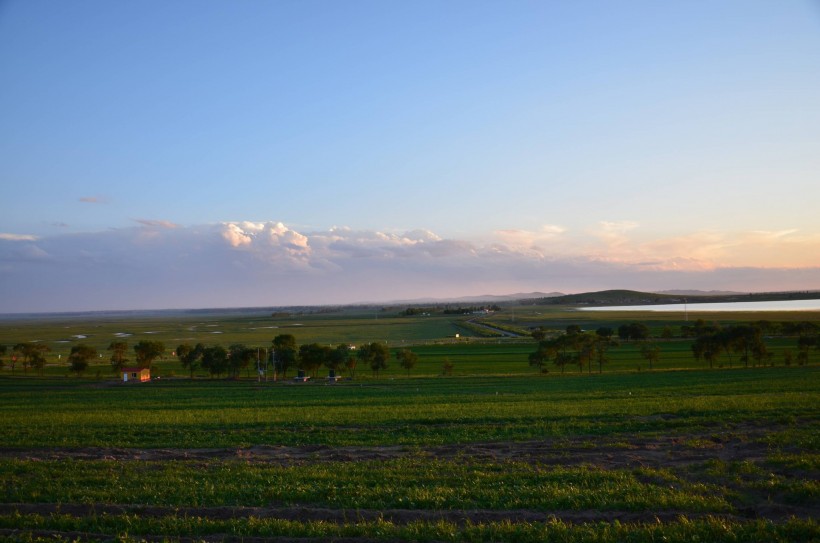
<point>637,452</point>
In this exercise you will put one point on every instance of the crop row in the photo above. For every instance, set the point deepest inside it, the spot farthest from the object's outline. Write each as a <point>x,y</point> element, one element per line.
<point>425,412</point>
<point>404,483</point>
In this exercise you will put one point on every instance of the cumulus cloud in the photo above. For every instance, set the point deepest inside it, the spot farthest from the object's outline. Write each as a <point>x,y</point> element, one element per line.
<point>245,233</point>
<point>235,235</point>
<point>243,263</point>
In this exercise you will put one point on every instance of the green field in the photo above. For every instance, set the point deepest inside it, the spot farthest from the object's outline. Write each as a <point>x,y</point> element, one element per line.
<point>495,452</point>
<point>432,337</point>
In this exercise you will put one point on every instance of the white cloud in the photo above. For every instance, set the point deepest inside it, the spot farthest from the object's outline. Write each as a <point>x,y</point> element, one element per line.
<point>268,263</point>
<point>235,235</point>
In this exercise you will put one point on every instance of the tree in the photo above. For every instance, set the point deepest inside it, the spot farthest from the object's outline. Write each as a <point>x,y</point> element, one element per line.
<point>32,355</point>
<point>563,358</point>
<point>573,329</point>
<point>118,349</point>
<point>284,353</point>
<point>546,350</point>
<point>189,356</point>
<point>605,331</point>
<point>312,356</point>
<point>804,344</point>
<point>340,357</point>
<point>745,339</point>
<point>79,357</point>
<point>651,353</point>
<point>351,365</point>
<point>565,351</point>
<point>239,358</point>
<point>38,358</point>
<point>538,334</point>
<point>603,344</point>
<point>363,354</point>
<point>639,331</point>
<point>148,351</point>
<point>761,354</point>
<point>707,347</point>
<point>800,329</point>
<point>215,359</point>
<point>374,355</point>
<point>379,357</point>
<point>587,345</point>
<point>634,331</point>
<point>407,359</point>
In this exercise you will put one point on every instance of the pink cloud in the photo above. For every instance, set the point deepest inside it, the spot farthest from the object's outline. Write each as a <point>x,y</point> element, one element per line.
<point>161,264</point>
<point>17,237</point>
<point>157,223</point>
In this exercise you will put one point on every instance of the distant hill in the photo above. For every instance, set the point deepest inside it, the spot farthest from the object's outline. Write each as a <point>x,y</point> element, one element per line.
<point>633,297</point>
<point>611,297</point>
<point>699,292</point>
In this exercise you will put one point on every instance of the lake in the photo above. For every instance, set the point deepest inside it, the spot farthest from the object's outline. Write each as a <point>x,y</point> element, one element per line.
<point>783,305</point>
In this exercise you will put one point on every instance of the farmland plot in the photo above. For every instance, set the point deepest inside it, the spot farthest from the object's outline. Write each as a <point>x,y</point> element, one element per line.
<point>678,455</point>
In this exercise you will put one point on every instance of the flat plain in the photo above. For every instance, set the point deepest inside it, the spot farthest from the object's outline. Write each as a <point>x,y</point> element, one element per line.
<point>494,452</point>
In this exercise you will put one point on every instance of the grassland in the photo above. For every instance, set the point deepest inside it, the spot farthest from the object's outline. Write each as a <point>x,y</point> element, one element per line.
<point>432,337</point>
<point>495,453</point>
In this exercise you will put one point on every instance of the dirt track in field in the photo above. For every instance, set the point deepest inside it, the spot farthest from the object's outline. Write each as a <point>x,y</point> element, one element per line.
<point>637,452</point>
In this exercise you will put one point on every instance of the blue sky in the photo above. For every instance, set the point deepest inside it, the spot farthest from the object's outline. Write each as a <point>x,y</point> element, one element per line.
<point>328,152</point>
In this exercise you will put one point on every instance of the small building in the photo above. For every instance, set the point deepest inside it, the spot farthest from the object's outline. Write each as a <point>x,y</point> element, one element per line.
<point>139,375</point>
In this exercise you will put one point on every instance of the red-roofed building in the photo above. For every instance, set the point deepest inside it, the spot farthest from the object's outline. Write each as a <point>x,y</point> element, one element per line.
<point>139,375</point>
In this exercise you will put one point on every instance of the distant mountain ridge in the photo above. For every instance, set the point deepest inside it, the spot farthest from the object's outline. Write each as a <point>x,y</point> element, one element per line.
<point>699,292</point>
<point>633,297</point>
<point>599,298</point>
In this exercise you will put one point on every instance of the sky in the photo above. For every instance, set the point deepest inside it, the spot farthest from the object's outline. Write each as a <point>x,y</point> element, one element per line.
<point>199,153</point>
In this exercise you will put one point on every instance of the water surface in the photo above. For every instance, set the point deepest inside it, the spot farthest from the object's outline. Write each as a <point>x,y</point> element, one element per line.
<point>782,305</point>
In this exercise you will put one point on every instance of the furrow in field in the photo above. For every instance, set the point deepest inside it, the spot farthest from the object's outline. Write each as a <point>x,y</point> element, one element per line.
<point>395,516</point>
<point>665,451</point>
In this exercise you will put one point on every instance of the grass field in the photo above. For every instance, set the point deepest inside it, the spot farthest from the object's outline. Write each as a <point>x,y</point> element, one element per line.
<point>726,455</point>
<point>496,452</point>
<point>432,337</point>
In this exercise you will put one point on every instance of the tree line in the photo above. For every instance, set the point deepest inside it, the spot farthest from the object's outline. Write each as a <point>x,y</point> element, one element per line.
<point>33,355</point>
<point>448,310</point>
<point>747,342</point>
<point>283,355</point>
<point>574,347</point>
<point>742,342</point>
